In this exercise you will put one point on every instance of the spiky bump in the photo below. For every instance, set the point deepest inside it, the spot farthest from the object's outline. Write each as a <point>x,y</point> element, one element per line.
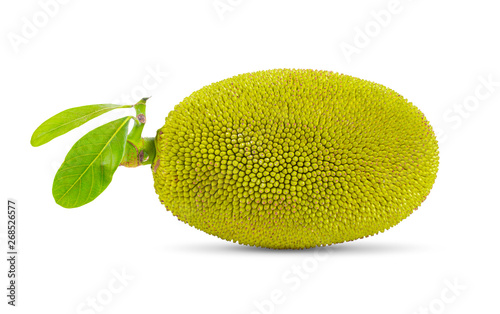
<point>294,159</point>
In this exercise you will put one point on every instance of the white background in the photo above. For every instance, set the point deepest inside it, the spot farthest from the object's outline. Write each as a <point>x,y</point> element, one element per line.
<point>436,53</point>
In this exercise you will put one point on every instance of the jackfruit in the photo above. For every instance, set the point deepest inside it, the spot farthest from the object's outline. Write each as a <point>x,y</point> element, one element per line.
<point>291,159</point>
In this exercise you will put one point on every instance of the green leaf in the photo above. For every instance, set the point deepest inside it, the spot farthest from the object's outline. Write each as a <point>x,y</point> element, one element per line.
<point>67,120</point>
<point>90,164</point>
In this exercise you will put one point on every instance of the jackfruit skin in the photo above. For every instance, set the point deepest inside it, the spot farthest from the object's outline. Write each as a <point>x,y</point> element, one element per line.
<point>292,159</point>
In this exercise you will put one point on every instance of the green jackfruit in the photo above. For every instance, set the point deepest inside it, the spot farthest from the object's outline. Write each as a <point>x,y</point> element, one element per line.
<point>294,159</point>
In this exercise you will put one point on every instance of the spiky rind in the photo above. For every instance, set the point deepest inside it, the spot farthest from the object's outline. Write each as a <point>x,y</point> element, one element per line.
<point>294,159</point>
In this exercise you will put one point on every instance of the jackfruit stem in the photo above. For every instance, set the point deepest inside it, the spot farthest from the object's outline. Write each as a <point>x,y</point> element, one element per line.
<point>139,151</point>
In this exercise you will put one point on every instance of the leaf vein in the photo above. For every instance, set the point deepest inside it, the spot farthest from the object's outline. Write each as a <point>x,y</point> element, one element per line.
<point>93,161</point>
